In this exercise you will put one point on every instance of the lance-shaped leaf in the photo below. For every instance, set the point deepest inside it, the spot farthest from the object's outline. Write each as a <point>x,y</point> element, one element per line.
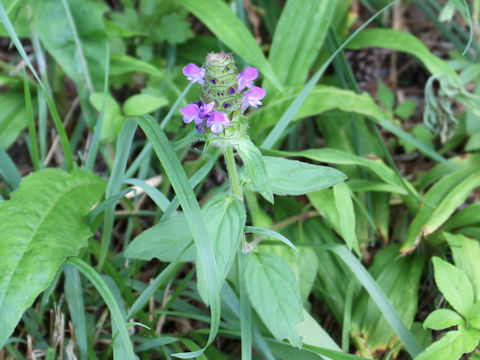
<point>224,216</point>
<point>253,160</point>
<point>275,296</point>
<point>293,177</point>
<point>42,224</point>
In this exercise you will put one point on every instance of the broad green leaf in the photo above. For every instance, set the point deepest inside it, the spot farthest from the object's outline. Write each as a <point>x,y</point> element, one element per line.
<point>403,41</point>
<point>42,224</point>
<point>454,285</point>
<point>224,216</point>
<point>338,157</point>
<point>143,104</point>
<point>221,21</point>
<point>298,38</point>
<point>399,278</point>
<point>124,64</point>
<point>165,241</point>
<point>293,177</point>
<point>441,319</point>
<point>112,120</point>
<point>346,215</point>
<point>452,345</point>
<point>76,38</point>
<point>451,201</point>
<point>274,294</point>
<point>474,315</point>
<point>321,99</point>
<point>313,334</point>
<point>466,253</point>
<point>13,118</point>
<point>255,165</point>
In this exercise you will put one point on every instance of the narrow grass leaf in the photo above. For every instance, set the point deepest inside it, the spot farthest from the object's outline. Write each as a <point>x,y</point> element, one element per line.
<point>403,41</point>
<point>205,257</point>
<point>156,195</point>
<point>115,183</point>
<point>287,117</point>
<point>146,294</point>
<point>380,299</point>
<point>451,202</point>
<point>271,233</point>
<point>8,170</point>
<point>31,124</point>
<point>346,213</point>
<point>75,303</point>
<point>67,152</point>
<point>432,154</point>
<point>230,30</point>
<point>95,279</point>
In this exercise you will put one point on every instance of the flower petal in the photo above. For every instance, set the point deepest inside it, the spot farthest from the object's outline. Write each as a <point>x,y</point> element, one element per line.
<point>194,73</point>
<point>246,77</point>
<point>190,112</point>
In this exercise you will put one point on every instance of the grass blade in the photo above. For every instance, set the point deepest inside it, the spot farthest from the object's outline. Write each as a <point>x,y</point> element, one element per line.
<point>92,151</point>
<point>9,171</point>
<point>379,297</point>
<point>188,201</point>
<point>109,299</point>
<point>287,117</point>
<point>115,183</point>
<point>230,30</point>
<point>74,298</point>
<point>67,152</point>
<point>31,124</point>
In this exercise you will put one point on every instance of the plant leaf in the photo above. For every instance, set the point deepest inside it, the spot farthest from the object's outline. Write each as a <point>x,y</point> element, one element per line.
<point>42,224</point>
<point>466,253</point>
<point>451,346</point>
<point>165,241</point>
<point>293,177</point>
<point>298,37</point>
<point>441,319</point>
<point>141,104</point>
<point>454,285</point>
<point>402,41</point>
<point>112,120</point>
<point>254,162</point>
<point>59,38</point>
<point>224,216</point>
<point>274,294</point>
<point>231,31</point>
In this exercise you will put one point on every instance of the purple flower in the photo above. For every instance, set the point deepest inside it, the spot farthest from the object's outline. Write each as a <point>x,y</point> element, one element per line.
<point>206,109</point>
<point>217,121</point>
<point>252,97</point>
<point>246,77</point>
<point>191,112</point>
<point>194,73</point>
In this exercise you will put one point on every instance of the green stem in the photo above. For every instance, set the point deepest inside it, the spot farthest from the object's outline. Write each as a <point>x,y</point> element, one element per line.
<point>232,172</point>
<point>245,307</point>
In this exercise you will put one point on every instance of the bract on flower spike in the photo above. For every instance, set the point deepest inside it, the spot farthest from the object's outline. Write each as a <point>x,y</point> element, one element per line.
<point>224,96</point>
